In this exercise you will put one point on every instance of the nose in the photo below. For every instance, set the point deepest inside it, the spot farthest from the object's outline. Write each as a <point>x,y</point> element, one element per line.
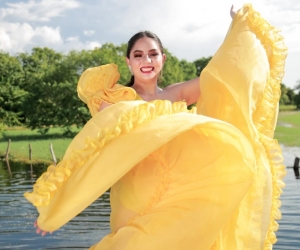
<point>147,58</point>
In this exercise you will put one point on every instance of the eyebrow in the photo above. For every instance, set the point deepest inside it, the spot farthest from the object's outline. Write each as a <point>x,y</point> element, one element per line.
<point>151,50</point>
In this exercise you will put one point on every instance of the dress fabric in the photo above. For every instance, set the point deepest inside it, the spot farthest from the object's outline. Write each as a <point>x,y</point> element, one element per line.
<point>205,178</point>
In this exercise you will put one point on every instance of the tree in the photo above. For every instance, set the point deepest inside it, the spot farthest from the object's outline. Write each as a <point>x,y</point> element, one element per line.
<point>11,94</point>
<point>50,80</point>
<point>297,96</point>
<point>110,53</point>
<point>287,95</point>
<point>38,89</point>
<point>201,64</point>
<point>171,72</point>
<point>188,69</point>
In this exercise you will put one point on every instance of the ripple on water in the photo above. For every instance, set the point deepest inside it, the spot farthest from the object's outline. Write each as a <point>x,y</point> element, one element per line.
<point>17,215</point>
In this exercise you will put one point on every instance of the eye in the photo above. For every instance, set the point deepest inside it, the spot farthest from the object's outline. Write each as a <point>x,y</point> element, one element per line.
<point>154,54</point>
<point>137,55</point>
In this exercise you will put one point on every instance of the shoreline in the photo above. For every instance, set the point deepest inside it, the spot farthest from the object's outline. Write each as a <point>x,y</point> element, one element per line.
<point>289,154</point>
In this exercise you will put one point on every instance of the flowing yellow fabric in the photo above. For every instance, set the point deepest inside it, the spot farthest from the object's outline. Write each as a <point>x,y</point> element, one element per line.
<point>241,85</point>
<point>180,179</point>
<point>99,84</point>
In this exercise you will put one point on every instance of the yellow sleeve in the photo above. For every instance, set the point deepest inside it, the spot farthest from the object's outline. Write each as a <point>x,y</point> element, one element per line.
<point>99,84</point>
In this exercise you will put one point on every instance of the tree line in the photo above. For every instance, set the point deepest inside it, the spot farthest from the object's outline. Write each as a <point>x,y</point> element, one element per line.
<point>38,89</point>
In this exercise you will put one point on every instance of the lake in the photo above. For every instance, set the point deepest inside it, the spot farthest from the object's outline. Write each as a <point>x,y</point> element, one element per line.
<point>17,215</point>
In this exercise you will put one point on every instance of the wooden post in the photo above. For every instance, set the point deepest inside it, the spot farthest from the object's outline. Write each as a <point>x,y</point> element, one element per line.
<point>8,167</point>
<point>30,158</point>
<point>7,149</point>
<point>54,160</point>
<point>296,167</point>
<point>30,152</point>
<point>53,155</point>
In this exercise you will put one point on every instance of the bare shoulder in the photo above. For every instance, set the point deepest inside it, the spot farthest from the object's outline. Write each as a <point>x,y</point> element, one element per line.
<point>188,91</point>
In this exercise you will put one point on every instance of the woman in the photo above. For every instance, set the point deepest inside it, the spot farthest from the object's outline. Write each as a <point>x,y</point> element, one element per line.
<point>178,179</point>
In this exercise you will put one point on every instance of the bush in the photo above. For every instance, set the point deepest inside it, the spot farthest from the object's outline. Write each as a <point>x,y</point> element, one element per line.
<point>2,129</point>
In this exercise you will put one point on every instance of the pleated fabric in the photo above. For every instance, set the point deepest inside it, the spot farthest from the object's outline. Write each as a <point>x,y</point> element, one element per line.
<point>206,178</point>
<point>241,85</point>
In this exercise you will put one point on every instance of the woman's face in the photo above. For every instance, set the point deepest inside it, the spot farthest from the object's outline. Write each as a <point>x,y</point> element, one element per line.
<point>146,59</point>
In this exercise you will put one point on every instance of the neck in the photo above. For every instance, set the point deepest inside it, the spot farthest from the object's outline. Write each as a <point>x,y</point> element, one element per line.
<point>146,88</point>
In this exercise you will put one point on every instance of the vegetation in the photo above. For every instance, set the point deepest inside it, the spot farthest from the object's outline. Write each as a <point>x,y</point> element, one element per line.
<point>287,107</point>
<point>38,90</point>
<point>40,143</point>
<point>288,128</point>
<point>287,132</point>
<point>38,93</point>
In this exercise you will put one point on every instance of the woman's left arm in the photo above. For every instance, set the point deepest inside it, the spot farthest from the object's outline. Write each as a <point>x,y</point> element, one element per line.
<point>188,91</point>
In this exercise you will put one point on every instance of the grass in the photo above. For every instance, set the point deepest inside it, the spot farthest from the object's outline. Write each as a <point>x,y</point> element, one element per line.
<point>288,128</point>
<point>287,107</point>
<point>287,132</point>
<point>40,144</point>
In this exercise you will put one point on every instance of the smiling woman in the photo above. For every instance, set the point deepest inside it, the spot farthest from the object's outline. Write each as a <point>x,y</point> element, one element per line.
<point>205,178</point>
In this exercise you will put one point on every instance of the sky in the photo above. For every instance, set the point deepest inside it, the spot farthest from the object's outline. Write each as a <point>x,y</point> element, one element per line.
<point>189,29</point>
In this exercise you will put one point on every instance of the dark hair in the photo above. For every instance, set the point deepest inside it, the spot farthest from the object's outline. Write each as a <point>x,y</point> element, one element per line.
<point>132,42</point>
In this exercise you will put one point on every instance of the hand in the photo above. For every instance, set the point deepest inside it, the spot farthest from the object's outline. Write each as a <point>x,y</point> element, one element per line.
<point>40,231</point>
<point>232,12</point>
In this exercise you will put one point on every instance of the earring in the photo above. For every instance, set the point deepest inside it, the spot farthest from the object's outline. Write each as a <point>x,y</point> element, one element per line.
<point>129,67</point>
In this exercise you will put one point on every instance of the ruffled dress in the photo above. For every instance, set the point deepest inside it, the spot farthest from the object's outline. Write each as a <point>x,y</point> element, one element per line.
<point>206,178</point>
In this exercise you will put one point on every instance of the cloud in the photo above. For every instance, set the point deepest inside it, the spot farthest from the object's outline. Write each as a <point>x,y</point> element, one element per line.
<point>92,45</point>
<point>74,43</point>
<point>188,29</point>
<point>16,37</point>
<point>72,39</point>
<point>42,11</point>
<point>88,32</point>
<point>18,31</point>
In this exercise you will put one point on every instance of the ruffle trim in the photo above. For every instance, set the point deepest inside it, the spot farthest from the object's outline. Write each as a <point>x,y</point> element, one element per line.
<point>50,182</point>
<point>264,114</point>
<point>161,187</point>
<point>99,84</point>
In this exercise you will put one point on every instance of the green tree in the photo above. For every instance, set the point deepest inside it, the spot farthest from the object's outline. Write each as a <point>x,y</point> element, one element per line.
<point>297,96</point>
<point>287,95</point>
<point>110,53</point>
<point>39,88</point>
<point>188,69</point>
<point>11,94</point>
<point>201,64</point>
<point>51,79</point>
<point>172,71</point>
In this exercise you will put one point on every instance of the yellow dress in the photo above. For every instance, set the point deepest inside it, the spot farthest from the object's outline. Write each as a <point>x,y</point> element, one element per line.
<point>206,178</point>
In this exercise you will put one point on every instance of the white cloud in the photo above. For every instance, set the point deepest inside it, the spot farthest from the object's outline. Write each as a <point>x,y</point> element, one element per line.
<point>42,10</point>
<point>189,29</point>
<point>92,45</point>
<point>72,39</point>
<point>88,32</point>
<point>73,43</point>
<point>15,37</point>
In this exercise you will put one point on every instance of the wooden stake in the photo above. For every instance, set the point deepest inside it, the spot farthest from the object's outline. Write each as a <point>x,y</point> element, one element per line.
<point>7,149</point>
<point>8,167</point>
<point>30,152</point>
<point>296,167</point>
<point>53,155</point>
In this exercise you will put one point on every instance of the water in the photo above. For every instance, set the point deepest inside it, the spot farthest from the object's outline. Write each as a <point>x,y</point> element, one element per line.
<point>289,226</point>
<point>17,215</point>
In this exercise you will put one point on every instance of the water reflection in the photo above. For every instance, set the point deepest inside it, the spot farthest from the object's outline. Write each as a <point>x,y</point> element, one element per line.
<point>17,215</point>
<point>296,167</point>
